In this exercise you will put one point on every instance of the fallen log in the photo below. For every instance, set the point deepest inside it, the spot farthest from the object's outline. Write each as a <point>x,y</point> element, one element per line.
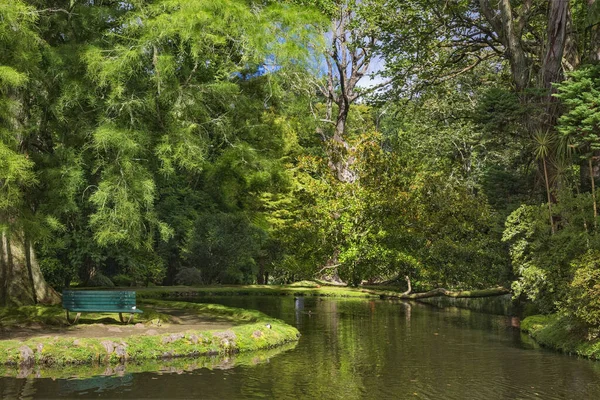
<point>497,291</point>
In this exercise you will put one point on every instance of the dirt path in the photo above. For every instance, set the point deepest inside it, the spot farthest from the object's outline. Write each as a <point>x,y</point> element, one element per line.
<point>180,321</point>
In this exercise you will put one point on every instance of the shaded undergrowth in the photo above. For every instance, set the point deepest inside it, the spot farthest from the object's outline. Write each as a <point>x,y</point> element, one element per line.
<point>562,334</point>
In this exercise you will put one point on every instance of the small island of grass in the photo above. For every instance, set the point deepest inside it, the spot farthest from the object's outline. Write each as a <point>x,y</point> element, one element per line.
<point>39,336</point>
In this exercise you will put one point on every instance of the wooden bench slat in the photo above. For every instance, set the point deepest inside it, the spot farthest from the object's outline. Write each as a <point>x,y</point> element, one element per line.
<point>114,304</point>
<point>122,302</point>
<point>101,296</point>
<point>100,302</point>
<point>106,311</point>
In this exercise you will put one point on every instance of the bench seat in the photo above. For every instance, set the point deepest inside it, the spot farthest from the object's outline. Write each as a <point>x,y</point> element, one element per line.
<point>102,301</point>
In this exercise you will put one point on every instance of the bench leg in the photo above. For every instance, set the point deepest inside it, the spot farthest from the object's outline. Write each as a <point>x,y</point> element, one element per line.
<point>123,319</point>
<point>75,320</point>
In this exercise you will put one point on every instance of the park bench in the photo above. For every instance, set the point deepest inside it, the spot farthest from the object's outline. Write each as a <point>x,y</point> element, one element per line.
<point>105,301</point>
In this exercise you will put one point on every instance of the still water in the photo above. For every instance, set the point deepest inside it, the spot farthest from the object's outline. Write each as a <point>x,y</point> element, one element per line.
<point>351,349</point>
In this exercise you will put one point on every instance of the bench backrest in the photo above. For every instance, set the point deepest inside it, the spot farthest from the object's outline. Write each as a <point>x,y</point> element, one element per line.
<point>98,300</point>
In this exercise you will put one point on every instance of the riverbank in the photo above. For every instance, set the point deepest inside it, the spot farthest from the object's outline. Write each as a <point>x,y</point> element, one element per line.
<point>167,366</point>
<point>308,288</point>
<point>558,333</point>
<point>159,292</point>
<point>249,330</point>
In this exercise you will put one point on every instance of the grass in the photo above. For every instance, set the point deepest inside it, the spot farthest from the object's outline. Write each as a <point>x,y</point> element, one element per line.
<point>305,284</point>
<point>560,334</point>
<point>304,289</point>
<point>252,334</point>
<point>55,316</point>
<point>176,365</point>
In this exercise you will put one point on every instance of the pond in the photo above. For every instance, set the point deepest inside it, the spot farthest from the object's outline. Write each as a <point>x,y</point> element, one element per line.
<point>354,349</point>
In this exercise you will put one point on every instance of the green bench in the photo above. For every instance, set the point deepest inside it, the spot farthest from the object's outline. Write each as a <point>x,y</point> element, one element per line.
<point>105,301</point>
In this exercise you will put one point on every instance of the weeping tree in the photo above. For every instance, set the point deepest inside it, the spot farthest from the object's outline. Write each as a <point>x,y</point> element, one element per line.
<point>21,281</point>
<point>103,107</point>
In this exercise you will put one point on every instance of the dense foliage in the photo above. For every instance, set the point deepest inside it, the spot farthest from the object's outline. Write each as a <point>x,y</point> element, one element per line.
<point>199,142</point>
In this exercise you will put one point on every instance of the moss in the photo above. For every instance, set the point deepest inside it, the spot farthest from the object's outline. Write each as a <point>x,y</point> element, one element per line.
<point>302,288</point>
<point>305,284</point>
<point>253,334</point>
<point>238,315</point>
<point>55,316</point>
<point>560,333</point>
<point>534,323</point>
<point>255,290</point>
<point>178,365</point>
<point>46,315</point>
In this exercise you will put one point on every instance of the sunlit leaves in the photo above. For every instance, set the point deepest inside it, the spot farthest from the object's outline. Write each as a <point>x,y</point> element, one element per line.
<point>18,57</point>
<point>580,93</point>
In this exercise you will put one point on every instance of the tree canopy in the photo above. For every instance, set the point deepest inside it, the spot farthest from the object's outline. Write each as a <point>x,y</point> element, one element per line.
<point>199,142</point>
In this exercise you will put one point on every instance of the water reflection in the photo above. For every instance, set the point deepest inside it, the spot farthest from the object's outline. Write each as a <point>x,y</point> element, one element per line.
<point>299,309</point>
<point>98,378</point>
<point>355,349</point>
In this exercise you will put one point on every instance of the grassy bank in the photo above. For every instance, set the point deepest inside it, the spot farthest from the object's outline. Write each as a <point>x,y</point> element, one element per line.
<point>255,290</point>
<point>560,334</point>
<point>305,288</point>
<point>174,365</point>
<point>256,331</point>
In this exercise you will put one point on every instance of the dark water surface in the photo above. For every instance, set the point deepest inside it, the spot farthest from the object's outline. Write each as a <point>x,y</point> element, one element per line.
<point>353,349</point>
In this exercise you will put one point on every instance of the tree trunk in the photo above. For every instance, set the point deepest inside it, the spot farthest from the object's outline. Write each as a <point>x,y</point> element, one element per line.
<point>593,192</point>
<point>594,34</point>
<point>571,56</point>
<point>340,161</point>
<point>4,271</point>
<point>514,49</point>
<point>23,282</point>
<point>260,277</point>
<point>549,196</point>
<point>552,71</point>
<point>444,292</point>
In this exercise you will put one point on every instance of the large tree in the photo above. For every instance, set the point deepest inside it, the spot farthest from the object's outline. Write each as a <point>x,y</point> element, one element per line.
<point>21,281</point>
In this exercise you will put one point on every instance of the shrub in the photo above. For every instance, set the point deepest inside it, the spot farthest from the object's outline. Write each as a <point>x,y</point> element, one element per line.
<point>100,280</point>
<point>123,280</point>
<point>583,299</point>
<point>56,274</point>
<point>188,277</point>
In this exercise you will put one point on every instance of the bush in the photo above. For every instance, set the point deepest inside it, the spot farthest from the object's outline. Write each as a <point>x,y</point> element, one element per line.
<point>100,280</point>
<point>583,299</point>
<point>123,280</point>
<point>188,277</point>
<point>55,273</point>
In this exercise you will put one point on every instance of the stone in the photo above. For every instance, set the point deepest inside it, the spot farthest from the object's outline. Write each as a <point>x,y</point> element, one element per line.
<point>114,329</point>
<point>228,334</point>
<point>76,342</point>
<point>139,325</point>
<point>27,357</point>
<point>40,347</point>
<point>24,372</point>
<point>194,339</point>
<point>151,332</point>
<point>172,338</point>
<point>109,346</point>
<point>256,334</point>
<point>121,350</point>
